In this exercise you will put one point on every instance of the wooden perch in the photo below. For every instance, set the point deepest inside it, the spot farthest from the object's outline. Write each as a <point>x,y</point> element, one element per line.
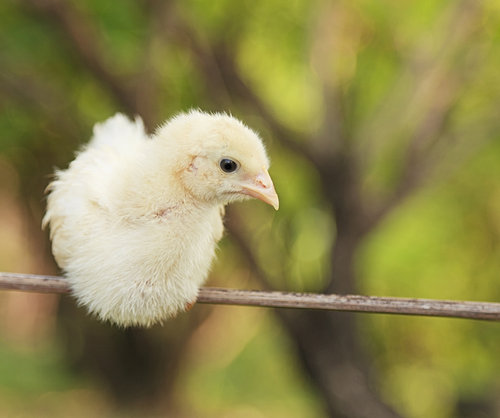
<point>352,303</point>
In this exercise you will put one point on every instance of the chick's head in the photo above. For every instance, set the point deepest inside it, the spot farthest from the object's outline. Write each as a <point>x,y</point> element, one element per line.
<point>219,159</point>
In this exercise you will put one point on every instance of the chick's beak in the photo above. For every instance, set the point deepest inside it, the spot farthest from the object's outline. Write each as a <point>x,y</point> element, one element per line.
<point>261,187</point>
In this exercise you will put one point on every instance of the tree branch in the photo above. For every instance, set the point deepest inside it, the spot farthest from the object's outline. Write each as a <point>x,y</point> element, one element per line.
<point>83,37</point>
<point>241,89</point>
<point>41,97</point>
<point>440,86</point>
<point>352,303</point>
<point>218,67</point>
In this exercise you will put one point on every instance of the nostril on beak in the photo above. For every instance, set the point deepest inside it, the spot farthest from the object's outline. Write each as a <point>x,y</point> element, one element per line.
<point>261,183</point>
<point>261,187</point>
<point>264,182</point>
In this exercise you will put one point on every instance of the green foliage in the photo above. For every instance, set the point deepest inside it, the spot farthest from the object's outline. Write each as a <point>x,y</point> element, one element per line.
<point>442,244</point>
<point>256,375</point>
<point>31,373</point>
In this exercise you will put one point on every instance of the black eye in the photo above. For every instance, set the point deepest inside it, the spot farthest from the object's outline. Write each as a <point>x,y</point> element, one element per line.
<point>228,166</point>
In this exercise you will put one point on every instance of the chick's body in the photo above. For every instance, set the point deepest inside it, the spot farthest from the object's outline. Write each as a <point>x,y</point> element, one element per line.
<point>135,219</point>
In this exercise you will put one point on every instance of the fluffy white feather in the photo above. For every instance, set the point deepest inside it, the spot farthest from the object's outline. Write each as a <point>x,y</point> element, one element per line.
<point>135,220</point>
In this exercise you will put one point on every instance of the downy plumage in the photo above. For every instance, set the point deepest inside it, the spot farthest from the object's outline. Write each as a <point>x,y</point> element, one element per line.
<point>135,219</point>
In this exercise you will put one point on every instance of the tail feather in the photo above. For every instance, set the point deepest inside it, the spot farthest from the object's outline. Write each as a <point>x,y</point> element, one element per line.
<point>117,130</point>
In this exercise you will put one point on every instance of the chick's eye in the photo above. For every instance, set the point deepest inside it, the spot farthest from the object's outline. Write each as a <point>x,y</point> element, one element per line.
<point>228,166</point>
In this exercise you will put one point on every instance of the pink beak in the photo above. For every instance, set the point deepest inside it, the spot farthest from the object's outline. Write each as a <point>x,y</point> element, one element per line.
<point>262,187</point>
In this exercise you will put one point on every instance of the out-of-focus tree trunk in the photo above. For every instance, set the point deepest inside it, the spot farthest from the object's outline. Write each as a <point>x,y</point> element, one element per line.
<point>138,367</point>
<point>329,344</point>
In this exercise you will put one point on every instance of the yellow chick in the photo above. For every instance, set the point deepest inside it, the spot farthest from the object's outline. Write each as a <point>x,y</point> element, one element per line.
<point>135,219</point>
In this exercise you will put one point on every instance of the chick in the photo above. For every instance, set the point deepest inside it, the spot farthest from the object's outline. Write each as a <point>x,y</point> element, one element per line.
<point>135,219</point>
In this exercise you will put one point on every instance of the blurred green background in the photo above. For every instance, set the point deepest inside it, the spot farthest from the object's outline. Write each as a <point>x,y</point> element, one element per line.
<point>382,122</point>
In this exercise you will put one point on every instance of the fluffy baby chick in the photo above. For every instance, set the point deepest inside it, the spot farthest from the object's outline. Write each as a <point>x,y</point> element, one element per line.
<point>134,220</point>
